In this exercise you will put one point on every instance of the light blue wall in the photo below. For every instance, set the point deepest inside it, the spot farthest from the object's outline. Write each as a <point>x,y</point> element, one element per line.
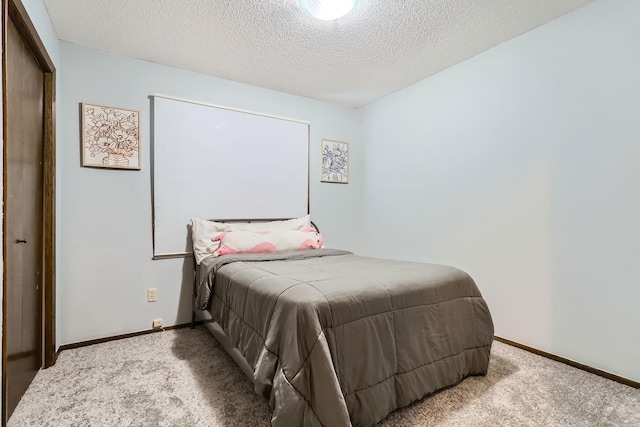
<point>106,214</point>
<point>40,18</point>
<point>521,166</point>
<point>517,165</point>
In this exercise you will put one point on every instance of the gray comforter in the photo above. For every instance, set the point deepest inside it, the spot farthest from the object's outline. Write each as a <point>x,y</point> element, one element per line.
<point>336,339</point>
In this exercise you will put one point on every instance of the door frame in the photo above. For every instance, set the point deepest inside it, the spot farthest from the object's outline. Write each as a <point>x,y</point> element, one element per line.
<point>15,10</point>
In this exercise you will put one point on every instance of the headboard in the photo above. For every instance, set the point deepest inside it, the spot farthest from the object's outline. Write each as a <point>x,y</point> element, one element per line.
<point>218,162</point>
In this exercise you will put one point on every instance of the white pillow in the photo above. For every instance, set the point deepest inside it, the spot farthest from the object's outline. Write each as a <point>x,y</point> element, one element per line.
<point>203,231</point>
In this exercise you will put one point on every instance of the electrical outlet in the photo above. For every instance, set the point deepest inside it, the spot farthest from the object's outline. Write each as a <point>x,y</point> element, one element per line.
<point>151,295</point>
<point>157,323</point>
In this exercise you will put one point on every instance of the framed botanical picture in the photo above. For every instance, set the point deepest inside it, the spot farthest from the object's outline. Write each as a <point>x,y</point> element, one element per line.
<point>335,161</point>
<point>110,137</point>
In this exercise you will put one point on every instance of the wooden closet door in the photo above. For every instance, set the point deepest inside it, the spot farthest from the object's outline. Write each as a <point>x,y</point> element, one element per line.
<point>24,217</point>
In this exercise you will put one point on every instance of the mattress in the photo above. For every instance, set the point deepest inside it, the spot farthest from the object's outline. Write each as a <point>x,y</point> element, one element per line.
<point>337,339</point>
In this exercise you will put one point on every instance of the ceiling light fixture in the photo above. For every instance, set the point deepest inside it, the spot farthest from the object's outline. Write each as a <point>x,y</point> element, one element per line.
<point>327,10</point>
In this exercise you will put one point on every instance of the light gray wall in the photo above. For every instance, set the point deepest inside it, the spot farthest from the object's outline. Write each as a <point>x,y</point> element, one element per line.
<point>521,167</point>
<point>106,214</point>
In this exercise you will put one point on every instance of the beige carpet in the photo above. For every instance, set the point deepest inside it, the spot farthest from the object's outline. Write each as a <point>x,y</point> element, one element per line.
<point>184,378</point>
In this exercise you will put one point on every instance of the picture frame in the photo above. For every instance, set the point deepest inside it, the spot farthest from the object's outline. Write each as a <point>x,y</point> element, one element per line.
<point>110,137</point>
<point>334,161</point>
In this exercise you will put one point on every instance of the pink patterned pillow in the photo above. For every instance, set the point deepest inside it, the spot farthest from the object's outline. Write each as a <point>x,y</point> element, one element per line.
<point>202,230</point>
<point>254,242</point>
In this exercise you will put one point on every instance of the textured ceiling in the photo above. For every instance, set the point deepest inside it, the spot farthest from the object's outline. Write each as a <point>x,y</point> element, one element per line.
<point>380,47</point>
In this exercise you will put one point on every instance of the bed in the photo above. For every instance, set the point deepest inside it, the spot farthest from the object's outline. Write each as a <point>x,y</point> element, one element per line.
<point>331,338</point>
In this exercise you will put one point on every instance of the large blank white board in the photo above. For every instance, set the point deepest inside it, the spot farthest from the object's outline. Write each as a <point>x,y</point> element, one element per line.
<point>215,162</point>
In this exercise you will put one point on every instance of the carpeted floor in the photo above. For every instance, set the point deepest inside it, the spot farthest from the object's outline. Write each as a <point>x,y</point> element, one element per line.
<point>185,378</point>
